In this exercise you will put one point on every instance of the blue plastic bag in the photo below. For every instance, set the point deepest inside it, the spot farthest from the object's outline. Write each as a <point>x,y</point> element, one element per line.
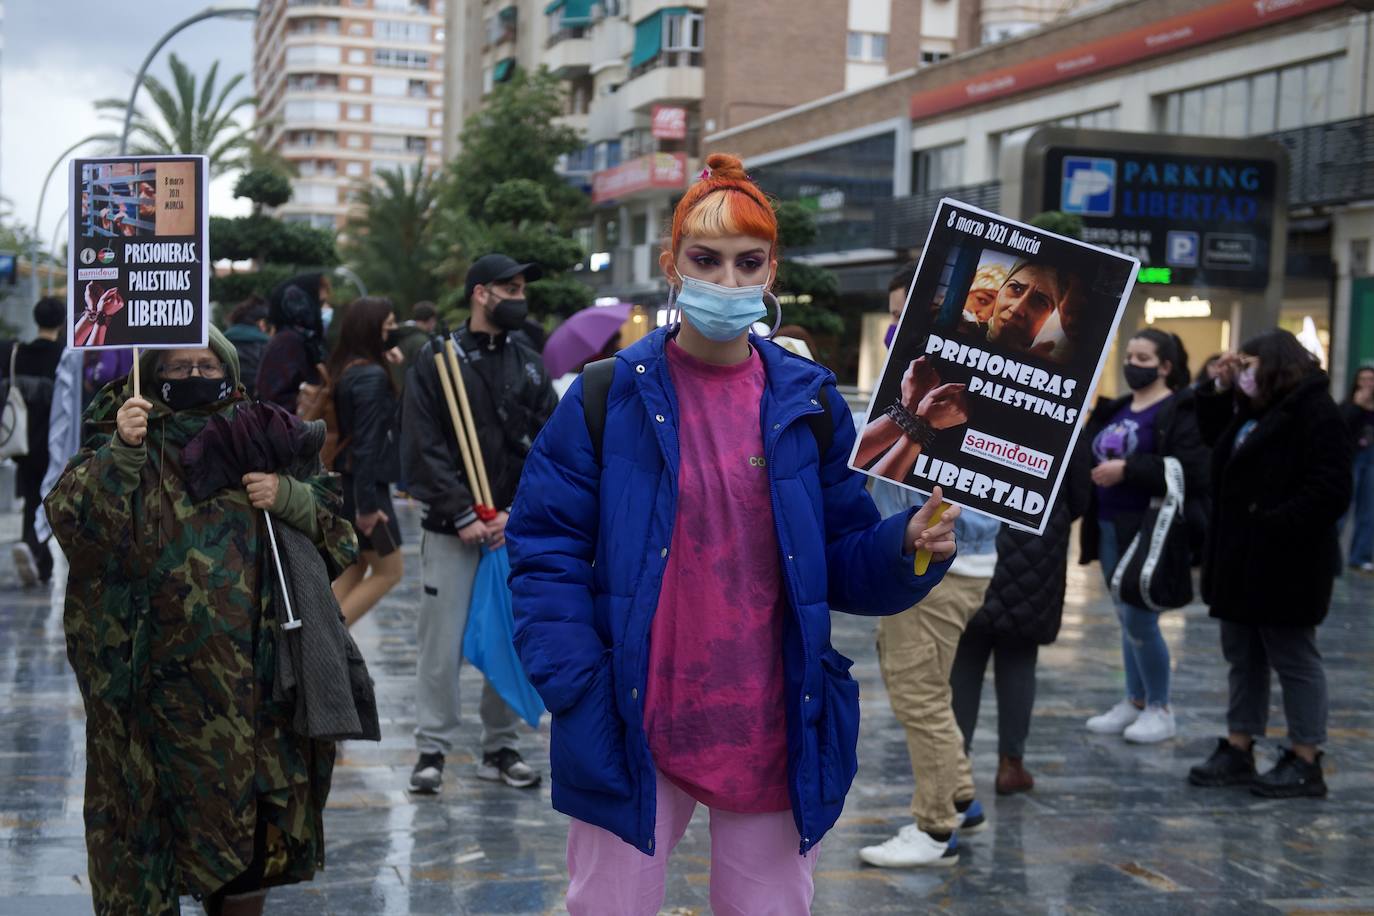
<point>489,642</point>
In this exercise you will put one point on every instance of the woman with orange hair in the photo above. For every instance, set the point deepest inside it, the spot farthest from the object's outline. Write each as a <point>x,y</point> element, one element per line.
<point>686,522</point>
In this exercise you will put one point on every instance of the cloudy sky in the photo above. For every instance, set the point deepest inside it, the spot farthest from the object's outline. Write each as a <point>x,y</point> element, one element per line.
<point>60,56</point>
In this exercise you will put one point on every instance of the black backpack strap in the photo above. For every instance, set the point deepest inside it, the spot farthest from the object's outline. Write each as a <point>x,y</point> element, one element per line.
<point>822,426</point>
<point>596,389</point>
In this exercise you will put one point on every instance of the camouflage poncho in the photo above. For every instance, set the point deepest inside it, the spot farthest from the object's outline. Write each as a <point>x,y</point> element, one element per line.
<point>172,636</point>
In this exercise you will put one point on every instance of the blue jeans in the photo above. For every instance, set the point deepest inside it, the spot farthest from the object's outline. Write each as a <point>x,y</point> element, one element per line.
<point>1143,649</point>
<point>1362,508</point>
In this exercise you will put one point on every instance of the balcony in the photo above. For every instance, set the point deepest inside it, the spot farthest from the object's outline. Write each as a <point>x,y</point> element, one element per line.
<point>609,118</point>
<point>578,122</point>
<point>639,10</point>
<point>568,57</point>
<point>663,84</point>
<point>612,42</point>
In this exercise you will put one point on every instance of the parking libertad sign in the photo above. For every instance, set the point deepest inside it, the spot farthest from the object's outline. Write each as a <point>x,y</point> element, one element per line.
<point>1194,211</point>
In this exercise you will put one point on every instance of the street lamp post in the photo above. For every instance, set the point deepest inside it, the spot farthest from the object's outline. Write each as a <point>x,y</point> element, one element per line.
<point>42,193</point>
<point>207,13</point>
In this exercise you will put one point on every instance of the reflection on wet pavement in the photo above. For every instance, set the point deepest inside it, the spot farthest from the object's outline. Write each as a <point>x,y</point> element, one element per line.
<point>1110,828</point>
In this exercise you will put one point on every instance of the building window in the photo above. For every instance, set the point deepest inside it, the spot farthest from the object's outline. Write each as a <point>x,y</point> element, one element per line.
<point>933,57</point>
<point>357,84</point>
<point>312,54</point>
<point>938,168</point>
<point>396,57</point>
<point>1296,96</point>
<point>355,113</point>
<point>354,141</point>
<point>388,143</point>
<point>867,47</point>
<point>357,28</point>
<point>668,38</point>
<point>400,115</point>
<point>357,56</point>
<point>389,85</point>
<point>354,170</point>
<point>400,30</point>
<point>310,110</point>
<point>504,70</point>
<point>568,19</point>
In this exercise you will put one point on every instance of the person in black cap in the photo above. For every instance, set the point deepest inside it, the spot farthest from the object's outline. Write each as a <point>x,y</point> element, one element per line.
<point>511,397</point>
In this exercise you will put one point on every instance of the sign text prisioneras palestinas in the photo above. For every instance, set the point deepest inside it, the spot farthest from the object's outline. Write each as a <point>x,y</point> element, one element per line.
<point>139,265</point>
<point>1001,343</point>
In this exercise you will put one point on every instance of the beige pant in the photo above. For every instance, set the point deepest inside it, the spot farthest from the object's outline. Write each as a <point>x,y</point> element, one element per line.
<point>915,654</point>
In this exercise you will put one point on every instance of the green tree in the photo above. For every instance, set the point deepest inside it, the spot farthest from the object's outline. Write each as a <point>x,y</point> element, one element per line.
<point>1069,224</point>
<point>277,249</point>
<point>502,193</point>
<point>391,245</point>
<point>815,290</point>
<point>189,119</point>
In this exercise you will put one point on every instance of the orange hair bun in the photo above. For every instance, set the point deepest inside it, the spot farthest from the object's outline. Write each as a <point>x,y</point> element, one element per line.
<point>724,202</point>
<point>726,167</point>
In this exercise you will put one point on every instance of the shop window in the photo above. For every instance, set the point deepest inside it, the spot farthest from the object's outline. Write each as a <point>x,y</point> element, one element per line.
<point>1301,95</point>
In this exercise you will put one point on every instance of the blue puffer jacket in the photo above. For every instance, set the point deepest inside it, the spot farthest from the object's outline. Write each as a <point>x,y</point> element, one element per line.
<point>588,548</point>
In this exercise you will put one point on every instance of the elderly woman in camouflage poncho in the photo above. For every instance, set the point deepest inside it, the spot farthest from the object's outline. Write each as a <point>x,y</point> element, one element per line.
<point>194,783</point>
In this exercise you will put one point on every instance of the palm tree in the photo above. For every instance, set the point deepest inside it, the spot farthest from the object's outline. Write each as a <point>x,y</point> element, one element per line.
<point>188,121</point>
<point>390,243</point>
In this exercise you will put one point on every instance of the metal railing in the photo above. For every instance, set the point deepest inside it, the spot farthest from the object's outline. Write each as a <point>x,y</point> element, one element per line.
<point>904,222</point>
<point>1330,163</point>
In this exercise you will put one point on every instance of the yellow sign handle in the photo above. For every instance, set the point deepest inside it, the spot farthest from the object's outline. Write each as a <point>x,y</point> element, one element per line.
<point>923,555</point>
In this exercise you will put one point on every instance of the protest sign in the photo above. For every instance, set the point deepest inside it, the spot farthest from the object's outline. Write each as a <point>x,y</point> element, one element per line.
<point>1003,338</point>
<point>139,264</point>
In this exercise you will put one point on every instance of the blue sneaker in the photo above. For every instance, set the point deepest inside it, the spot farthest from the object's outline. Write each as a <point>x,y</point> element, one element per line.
<point>972,818</point>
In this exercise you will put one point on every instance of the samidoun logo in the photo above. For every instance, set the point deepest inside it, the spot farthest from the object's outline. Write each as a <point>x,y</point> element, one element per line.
<point>107,256</point>
<point>1007,454</point>
<point>1088,186</point>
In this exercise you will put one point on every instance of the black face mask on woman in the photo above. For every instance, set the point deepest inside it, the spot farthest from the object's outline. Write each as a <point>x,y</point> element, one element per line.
<point>1138,377</point>
<point>192,392</point>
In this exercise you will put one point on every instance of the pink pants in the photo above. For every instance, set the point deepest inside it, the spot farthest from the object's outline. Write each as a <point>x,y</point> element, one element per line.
<point>755,868</point>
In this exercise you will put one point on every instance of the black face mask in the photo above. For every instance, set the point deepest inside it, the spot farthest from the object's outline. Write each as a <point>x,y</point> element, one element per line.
<point>189,393</point>
<point>1139,377</point>
<point>510,314</point>
<point>393,339</point>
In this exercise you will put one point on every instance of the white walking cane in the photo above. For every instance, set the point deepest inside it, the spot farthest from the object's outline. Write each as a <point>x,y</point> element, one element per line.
<point>291,622</point>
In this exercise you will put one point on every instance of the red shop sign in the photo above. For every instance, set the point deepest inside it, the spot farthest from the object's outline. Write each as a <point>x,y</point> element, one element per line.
<point>669,122</point>
<point>667,171</point>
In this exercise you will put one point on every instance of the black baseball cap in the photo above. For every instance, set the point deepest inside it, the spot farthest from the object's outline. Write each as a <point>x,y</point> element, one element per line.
<point>490,268</point>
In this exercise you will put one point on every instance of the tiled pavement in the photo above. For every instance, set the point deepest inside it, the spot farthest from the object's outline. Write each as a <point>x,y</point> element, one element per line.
<point>1109,828</point>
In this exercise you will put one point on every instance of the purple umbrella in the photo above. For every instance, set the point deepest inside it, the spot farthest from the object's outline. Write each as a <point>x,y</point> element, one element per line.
<point>583,336</point>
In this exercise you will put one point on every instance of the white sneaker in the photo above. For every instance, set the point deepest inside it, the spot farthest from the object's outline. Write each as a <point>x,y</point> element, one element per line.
<point>1155,724</point>
<point>912,847</point>
<point>1114,720</point>
<point>25,565</point>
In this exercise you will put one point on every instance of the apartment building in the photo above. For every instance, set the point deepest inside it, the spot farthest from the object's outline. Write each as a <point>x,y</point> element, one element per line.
<point>346,89</point>
<point>488,41</point>
<point>648,78</point>
<point>1292,76</point>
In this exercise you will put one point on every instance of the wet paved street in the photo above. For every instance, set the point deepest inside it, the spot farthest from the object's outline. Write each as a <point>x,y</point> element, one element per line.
<point>1109,828</point>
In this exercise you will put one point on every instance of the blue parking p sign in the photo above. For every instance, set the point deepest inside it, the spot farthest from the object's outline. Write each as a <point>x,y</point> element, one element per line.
<point>1089,186</point>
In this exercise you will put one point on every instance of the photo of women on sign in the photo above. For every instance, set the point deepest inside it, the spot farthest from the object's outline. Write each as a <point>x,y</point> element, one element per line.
<point>118,200</point>
<point>1022,305</point>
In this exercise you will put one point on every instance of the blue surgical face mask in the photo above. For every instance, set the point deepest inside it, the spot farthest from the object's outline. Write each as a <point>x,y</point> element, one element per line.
<point>720,313</point>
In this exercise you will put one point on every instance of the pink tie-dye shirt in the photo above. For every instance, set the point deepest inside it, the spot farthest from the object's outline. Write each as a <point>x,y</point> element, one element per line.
<point>714,711</point>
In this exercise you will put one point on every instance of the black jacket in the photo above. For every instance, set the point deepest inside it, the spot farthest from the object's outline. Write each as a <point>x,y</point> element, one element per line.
<point>1177,436</point>
<point>1025,599</point>
<point>511,396</point>
<point>369,447</point>
<point>1272,550</point>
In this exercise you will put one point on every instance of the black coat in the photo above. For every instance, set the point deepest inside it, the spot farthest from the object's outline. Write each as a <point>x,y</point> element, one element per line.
<point>1176,436</point>
<point>1272,550</point>
<point>1025,599</point>
<point>369,445</point>
<point>512,398</point>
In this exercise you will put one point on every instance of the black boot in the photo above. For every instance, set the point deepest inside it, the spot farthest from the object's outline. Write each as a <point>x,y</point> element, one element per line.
<point>1228,766</point>
<point>1291,777</point>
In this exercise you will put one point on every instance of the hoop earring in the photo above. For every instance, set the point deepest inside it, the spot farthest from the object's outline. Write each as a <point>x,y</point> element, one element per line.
<point>778,306</point>
<point>674,313</point>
